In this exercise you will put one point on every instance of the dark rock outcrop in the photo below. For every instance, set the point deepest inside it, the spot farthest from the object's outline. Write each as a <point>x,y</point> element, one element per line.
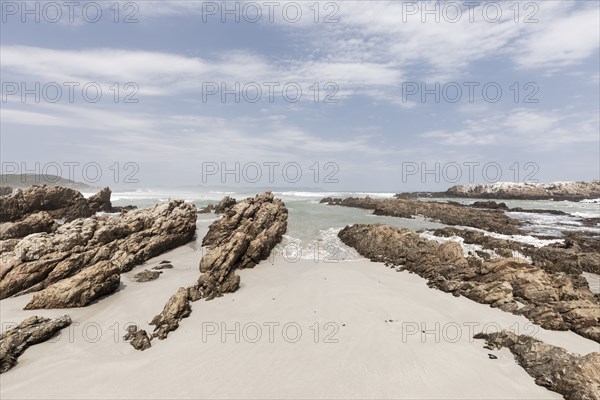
<point>450,214</point>
<point>225,204</point>
<point>551,300</point>
<point>58,201</point>
<point>101,201</point>
<point>575,255</point>
<point>38,261</point>
<point>31,331</point>
<point>5,190</point>
<point>575,377</point>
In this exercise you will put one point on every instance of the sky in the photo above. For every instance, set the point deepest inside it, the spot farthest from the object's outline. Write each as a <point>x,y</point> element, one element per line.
<point>385,96</point>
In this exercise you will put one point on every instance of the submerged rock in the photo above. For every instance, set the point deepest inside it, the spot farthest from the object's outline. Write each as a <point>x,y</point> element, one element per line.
<point>31,331</point>
<point>575,377</point>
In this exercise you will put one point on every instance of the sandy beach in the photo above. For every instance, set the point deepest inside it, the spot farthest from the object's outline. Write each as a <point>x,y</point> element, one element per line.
<point>354,352</point>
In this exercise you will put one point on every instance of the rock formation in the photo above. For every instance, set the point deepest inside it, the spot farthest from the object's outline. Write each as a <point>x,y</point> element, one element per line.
<point>31,331</point>
<point>5,190</point>
<point>85,246</point>
<point>575,377</point>
<point>101,201</point>
<point>33,223</point>
<point>573,191</point>
<point>147,276</point>
<point>177,308</point>
<point>551,300</point>
<point>449,214</point>
<point>139,339</point>
<point>58,201</point>
<point>80,289</point>
<point>575,255</point>
<point>241,238</point>
<point>225,203</point>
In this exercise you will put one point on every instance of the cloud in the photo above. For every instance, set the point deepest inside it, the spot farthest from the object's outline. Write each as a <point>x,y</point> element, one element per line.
<point>543,130</point>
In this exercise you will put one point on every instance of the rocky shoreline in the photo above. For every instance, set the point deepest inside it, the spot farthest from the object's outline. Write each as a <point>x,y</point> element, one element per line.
<point>68,251</point>
<point>551,300</point>
<point>557,191</point>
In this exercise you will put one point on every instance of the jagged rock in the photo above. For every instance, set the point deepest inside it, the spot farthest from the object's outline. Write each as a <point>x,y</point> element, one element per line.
<point>147,276</point>
<point>575,377</point>
<point>79,290</point>
<point>225,204</point>
<point>449,214</point>
<point>33,223</point>
<point>58,201</point>
<point>101,201</point>
<point>551,300</point>
<point>139,339</point>
<point>40,260</point>
<point>576,254</point>
<point>177,308</point>
<point>5,190</point>
<point>243,237</point>
<point>31,331</point>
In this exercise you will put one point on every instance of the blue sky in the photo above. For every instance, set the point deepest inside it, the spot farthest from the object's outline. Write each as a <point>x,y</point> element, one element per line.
<point>370,53</point>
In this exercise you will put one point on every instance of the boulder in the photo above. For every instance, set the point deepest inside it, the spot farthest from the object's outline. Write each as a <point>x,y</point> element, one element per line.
<point>101,201</point>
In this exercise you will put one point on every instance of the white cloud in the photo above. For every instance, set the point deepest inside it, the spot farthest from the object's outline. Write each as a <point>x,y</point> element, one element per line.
<point>542,130</point>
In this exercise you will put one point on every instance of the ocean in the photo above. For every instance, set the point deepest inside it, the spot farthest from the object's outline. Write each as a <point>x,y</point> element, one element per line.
<point>313,227</point>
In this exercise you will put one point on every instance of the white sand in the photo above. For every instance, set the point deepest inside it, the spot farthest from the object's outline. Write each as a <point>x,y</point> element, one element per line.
<point>370,360</point>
